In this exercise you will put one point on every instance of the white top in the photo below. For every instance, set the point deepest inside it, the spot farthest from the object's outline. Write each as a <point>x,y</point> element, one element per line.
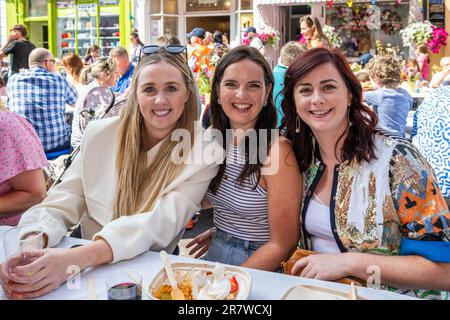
<point>318,225</point>
<point>88,193</point>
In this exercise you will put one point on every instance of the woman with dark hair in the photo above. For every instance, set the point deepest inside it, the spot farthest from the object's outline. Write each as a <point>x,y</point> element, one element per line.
<point>257,226</point>
<point>367,195</point>
<point>135,47</point>
<point>311,29</point>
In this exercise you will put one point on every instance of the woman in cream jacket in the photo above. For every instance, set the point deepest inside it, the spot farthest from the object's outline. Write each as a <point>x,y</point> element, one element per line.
<point>127,187</point>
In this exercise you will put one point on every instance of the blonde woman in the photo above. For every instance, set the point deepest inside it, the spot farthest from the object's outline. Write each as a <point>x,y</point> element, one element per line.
<point>125,187</point>
<point>311,29</point>
<point>101,73</point>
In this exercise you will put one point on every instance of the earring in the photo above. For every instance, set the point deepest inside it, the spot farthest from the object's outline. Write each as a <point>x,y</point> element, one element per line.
<point>297,124</point>
<point>348,117</point>
<point>265,104</point>
<point>218,101</point>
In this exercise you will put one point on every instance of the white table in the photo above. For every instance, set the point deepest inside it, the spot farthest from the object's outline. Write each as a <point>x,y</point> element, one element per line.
<point>265,285</point>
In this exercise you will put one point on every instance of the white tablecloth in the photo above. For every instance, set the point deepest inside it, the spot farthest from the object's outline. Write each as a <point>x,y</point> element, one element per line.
<point>265,285</point>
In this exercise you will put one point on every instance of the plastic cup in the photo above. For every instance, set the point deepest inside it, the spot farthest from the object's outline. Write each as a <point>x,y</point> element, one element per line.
<point>124,285</point>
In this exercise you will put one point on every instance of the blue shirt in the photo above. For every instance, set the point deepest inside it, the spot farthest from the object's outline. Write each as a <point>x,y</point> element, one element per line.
<point>392,107</point>
<point>431,134</point>
<point>41,96</point>
<point>124,81</point>
<point>278,74</point>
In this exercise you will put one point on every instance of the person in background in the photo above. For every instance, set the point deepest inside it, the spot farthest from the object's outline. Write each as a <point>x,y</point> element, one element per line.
<point>364,79</point>
<point>92,55</point>
<point>73,64</point>
<point>255,41</point>
<point>104,73</point>
<point>423,60</point>
<point>209,40</point>
<point>126,69</point>
<point>41,96</point>
<point>127,187</point>
<point>18,47</point>
<point>443,76</point>
<point>311,30</point>
<point>371,199</point>
<point>288,53</point>
<point>431,135</point>
<point>3,91</point>
<point>389,101</point>
<point>22,158</point>
<point>167,40</point>
<point>257,226</point>
<point>135,47</point>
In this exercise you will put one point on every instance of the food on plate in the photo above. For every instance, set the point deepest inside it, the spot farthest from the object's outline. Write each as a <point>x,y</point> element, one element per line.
<point>201,284</point>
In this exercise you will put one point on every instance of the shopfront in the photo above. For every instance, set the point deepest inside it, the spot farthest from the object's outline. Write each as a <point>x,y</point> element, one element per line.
<point>361,24</point>
<point>74,25</point>
<point>179,17</point>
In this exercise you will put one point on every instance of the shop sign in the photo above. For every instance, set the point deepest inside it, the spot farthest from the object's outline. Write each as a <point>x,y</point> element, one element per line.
<point>436,12</point>
<point>109,2</point>
<point>207,1</point>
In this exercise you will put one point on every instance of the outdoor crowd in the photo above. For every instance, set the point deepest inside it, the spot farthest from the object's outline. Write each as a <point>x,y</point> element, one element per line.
<point>348,185</point>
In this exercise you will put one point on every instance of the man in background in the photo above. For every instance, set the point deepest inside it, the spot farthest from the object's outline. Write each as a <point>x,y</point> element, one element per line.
<point>41,95</point>
<point>125,68</point>
<point>18,48</point>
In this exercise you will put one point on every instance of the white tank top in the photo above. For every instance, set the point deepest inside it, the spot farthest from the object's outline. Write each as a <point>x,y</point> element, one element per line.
<point>318,225</point>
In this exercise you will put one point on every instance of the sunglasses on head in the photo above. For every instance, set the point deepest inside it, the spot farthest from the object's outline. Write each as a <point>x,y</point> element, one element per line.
<point>171,48</point>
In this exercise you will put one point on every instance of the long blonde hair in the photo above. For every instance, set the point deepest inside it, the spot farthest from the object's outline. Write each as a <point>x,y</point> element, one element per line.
<point>140,185</point>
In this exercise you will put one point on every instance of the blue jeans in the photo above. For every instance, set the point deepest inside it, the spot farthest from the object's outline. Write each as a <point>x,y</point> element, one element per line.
<point>228,249</point>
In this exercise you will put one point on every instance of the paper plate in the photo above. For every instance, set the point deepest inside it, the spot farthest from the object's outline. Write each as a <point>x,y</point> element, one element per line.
<point>243,277</point>
<point>313,292</point>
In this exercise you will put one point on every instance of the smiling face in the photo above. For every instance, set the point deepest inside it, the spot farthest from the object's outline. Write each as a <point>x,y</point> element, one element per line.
<point>306,30</point>
<point>322,99</point>
<point>161,94</point>
<point>242,93</point>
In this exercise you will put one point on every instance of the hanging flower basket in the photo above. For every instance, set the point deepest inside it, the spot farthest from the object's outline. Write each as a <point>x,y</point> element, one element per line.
<point>424,33</point>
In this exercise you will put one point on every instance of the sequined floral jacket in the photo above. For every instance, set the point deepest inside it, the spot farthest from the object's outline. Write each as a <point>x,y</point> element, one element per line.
<point>373,205</point>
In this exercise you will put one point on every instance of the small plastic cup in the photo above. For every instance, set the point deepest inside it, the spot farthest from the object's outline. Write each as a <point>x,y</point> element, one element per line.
<point>124,285</point>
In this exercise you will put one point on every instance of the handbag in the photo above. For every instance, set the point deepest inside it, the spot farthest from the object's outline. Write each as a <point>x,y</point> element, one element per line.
<point>287,266</point>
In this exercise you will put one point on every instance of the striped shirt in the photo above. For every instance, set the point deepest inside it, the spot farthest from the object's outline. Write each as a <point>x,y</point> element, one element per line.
<point>240,210</point>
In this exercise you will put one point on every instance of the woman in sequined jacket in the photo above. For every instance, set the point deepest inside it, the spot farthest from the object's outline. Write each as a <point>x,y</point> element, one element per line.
<point>367,195</point>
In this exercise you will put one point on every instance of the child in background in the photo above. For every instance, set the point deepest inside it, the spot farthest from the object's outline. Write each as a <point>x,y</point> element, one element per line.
<point>423,60</point>
<point>389,101</point>
<point>363,77</point>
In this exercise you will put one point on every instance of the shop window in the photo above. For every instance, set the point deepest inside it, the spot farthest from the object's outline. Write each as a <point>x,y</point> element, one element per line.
<point>171,6</point>
<point>37,8</point>
<point>246,5</point>
<point>170,25</point>
<point>155,6</point>
<point>359,31</point>
<point>207,5</point>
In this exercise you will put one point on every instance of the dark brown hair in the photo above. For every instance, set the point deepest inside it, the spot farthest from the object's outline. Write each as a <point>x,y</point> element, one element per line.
<point>359,141</point>
<point>267,117</point>
<point>21,28</point>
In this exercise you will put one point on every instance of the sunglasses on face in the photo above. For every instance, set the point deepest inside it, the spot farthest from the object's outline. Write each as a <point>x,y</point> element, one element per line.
<point>172,48</point>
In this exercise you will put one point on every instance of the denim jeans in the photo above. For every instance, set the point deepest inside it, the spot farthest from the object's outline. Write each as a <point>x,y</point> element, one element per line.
<point>228,249</point>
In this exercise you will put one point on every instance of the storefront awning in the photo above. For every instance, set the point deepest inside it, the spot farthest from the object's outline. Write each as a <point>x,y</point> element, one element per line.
<point>287,1</point>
